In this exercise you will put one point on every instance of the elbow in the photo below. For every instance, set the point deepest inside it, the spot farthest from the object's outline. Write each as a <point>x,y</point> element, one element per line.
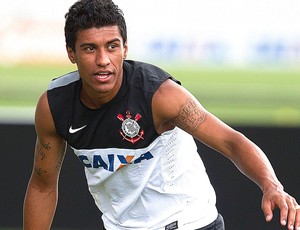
<point>42,185</point>
<point>235,145</point>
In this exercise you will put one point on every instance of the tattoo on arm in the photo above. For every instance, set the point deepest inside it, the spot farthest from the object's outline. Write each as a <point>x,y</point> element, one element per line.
<point>40,153</point>
<point>190,116</point>
<point>46,146</point>
<point>60,160</point>
<point>40,171</point>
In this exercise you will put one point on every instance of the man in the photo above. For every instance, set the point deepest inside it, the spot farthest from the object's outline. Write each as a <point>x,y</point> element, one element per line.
<point>132,126</point>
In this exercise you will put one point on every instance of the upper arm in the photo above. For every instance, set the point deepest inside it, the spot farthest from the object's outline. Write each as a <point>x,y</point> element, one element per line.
<point>49,150</point>
<point>173,106</point>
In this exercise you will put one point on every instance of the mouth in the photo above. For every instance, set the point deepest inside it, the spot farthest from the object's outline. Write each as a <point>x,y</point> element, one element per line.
<point>103,75</point>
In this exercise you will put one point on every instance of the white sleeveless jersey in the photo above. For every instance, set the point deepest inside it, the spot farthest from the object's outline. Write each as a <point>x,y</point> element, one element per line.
<point>138,179</point>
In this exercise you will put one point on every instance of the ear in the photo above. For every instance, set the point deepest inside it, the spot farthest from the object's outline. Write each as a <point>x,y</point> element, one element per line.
<point>125,50</point>
<point>71,54</point>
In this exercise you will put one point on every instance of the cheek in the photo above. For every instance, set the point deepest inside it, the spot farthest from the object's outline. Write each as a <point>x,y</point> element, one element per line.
<point>117,61</point>
<point>84,63</point>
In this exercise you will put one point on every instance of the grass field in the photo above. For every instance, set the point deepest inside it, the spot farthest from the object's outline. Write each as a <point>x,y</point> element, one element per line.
<point>269,97</point>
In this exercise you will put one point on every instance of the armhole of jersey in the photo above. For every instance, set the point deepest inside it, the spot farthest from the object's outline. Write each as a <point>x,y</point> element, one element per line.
<point>53,86</point>
<point>64,80</point>
<point>54,117</point>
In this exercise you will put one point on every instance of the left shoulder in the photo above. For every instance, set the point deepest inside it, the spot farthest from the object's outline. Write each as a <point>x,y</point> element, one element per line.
<point>145,75</point>
<point>169,101</point>
<point>171,95</point>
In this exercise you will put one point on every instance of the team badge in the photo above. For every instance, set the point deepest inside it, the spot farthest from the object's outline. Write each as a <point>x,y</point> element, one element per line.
<point>130,127</point>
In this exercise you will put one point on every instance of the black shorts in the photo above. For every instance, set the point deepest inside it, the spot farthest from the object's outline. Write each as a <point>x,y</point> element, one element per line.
<point>218,224</point>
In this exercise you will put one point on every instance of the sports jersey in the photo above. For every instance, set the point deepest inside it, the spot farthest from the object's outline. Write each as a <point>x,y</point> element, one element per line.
<point>138,178</point>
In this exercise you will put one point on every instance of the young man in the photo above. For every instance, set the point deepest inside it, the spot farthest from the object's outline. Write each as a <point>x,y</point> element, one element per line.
<point>132,126</point>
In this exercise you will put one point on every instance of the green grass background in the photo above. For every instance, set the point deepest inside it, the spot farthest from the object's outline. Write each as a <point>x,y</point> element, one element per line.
<point>247,96</point>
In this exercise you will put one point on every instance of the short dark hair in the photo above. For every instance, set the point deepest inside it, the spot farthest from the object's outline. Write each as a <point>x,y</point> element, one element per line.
<point>86,14</point>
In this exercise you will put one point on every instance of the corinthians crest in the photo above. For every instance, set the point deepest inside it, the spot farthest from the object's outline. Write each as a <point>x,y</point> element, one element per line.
<point>130,127</point>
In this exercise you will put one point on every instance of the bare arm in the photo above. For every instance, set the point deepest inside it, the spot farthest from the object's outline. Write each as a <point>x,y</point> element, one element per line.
<point>41,196</point>
<point>174,106</point>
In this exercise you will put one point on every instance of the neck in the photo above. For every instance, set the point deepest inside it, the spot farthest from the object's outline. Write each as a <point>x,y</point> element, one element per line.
<point>94,101</point>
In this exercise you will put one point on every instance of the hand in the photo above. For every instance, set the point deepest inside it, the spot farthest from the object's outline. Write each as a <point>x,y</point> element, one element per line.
<point>289,208</point>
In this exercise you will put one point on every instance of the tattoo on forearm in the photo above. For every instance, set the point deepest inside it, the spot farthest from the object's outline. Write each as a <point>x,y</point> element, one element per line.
<point>190,116</point>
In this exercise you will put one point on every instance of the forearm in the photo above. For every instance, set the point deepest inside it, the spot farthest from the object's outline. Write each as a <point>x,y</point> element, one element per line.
<point>252,162</point>
<point>39,208</point>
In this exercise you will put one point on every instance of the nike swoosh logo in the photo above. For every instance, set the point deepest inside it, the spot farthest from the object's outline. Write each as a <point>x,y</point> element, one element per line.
<point>71,130</point>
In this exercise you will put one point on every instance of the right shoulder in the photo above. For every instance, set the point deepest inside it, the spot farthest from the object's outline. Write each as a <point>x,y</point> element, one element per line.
<point>61,97</point>
<point>64,80</point>
<point>43,118</point>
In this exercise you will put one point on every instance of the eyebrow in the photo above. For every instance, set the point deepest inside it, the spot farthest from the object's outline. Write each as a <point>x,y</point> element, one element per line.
<point>115,40</point>
<point>93,44</point>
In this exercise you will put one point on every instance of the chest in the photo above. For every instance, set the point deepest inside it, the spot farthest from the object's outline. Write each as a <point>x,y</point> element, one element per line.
<point>125,124</point>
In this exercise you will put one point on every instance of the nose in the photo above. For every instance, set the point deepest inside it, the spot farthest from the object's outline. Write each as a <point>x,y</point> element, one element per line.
<point>102,58</point>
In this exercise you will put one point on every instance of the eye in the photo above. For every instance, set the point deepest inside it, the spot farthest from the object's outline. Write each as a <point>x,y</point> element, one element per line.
<point>89,48</point>
<point>112,46</point>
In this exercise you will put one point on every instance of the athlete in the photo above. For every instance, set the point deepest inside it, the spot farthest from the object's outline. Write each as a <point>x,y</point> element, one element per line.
<point>132,125</point>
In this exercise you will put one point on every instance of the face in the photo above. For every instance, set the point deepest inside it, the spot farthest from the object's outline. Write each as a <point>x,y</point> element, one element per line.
<point>99,55</point>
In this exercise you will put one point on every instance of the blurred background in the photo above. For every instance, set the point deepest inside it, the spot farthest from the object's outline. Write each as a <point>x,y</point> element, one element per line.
<point>241,59</point>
